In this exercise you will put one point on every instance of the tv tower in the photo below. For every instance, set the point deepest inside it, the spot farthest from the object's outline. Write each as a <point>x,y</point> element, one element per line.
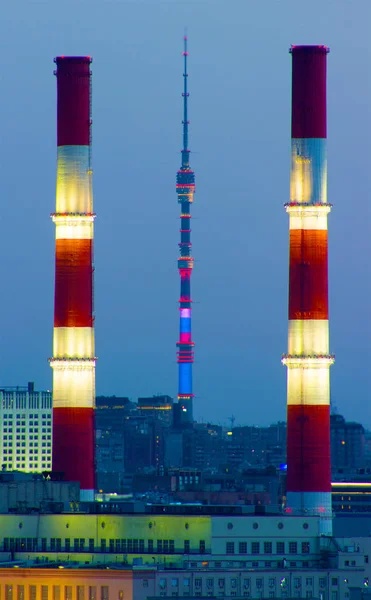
<point>308,360</point>
<point>185,187</point>
<point>73,361</point>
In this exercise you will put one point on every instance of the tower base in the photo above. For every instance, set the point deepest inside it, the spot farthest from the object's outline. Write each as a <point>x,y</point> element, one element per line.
<point>312,503</point>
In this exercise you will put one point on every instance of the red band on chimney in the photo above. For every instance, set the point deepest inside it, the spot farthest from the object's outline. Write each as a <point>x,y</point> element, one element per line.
<point>308,119</point>
<point>308,288</point>
<point>73,97</point>
<point>308,448</point>
<point>73,284</point>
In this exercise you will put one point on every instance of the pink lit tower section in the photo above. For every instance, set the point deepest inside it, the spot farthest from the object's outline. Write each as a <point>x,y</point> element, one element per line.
<point>73,361</point>
<point>308,360</point>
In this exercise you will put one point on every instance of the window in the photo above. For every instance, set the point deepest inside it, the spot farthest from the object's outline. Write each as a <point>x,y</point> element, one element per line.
<point>44,592</point>
<point>272,581</point>
<point>334,595</point>
<point>186,582</point>
<point>8,592</point>
<point>92,592</point>
<point>67,544</point>
<point>91,544</point>
<point>68,592</point>
<point>43,544</point>
<point>104,595</point>
<point>171,546</point>
<point>322,582</point>
<point>255,547</point>
<point>141,545</point>
<point>259,583</point>
<point>293,547</point>
<point>198,583</point>
<point>221,583</point>
<point>82,544</point>
<point>254,564</point>
<point>305,547</point>
<point>230,547</point>
<point>267,547</point>
<point>175,582</point>
<point>233,583</point>
<point>32,592</point>
<point>80,592</point>
<point>209,583</point>
<point>202,546</point>
<point>297,582</point>
<point>280,547</point>
<point>242,548</point>
<point>186,547</point>
<point>309,594</point>
<point>334,581</point>
<point>103,545</point>
<point>56,592</point>
<point>162,583</point>
<point>150,546</point>
<point>159,545</point>
<point>111,545</point>
<point>20,592</point>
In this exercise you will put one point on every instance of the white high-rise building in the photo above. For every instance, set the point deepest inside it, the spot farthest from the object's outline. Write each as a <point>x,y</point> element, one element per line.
<point>25,429</point>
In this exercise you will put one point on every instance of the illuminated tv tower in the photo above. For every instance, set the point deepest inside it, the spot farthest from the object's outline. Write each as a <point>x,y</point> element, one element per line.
<point>73,361</point>
<point>308,360</point>
<point>185,186</point>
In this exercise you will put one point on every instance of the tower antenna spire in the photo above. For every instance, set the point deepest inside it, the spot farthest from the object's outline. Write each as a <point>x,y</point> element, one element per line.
<point>185,151</point>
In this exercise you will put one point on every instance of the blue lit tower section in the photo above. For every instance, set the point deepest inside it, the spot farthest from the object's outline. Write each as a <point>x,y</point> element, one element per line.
<point>185,186</point>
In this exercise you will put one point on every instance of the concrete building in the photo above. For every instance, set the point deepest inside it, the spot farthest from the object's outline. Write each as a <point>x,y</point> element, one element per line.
<point>111,415</point>
<point>194,554</point>
<point>26,429</point>
<point>347,444</point>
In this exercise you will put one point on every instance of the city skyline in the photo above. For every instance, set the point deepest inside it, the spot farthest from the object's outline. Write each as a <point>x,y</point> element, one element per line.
<point>241,154</point>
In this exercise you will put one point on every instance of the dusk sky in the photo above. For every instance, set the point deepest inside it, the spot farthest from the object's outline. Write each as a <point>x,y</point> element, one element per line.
<point>239,83</point>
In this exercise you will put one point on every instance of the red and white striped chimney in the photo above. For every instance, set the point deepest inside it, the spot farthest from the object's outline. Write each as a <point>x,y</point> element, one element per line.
<point>73,361</point>
<point>308,360</point>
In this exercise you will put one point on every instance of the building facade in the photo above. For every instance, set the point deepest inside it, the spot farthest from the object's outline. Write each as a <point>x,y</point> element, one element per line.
<point>26,429</point>
<point>143,556</point>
